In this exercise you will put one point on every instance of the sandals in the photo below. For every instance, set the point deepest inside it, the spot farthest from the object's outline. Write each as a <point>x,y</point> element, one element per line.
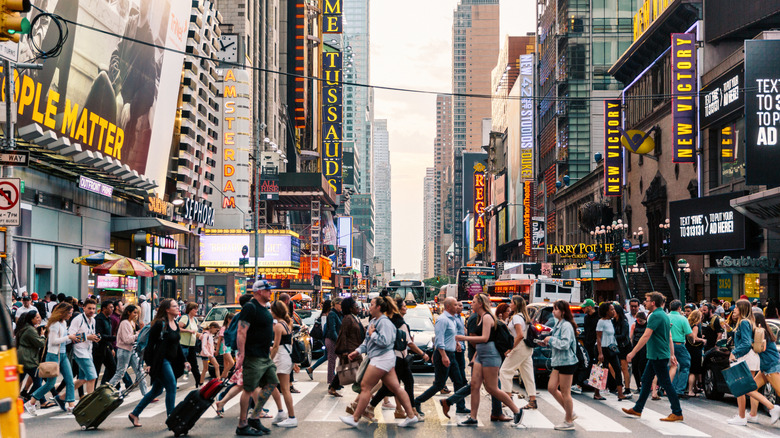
<point>655,398</point>
<point>595,397</point>
<point>220,412</point>
<point>130,417</point>
<point>48,404</point>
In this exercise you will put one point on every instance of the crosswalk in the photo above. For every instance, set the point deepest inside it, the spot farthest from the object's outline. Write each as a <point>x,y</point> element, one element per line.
<point>703,418</point>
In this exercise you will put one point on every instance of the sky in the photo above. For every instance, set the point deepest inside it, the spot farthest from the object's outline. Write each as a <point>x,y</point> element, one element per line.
<point>411,47</point>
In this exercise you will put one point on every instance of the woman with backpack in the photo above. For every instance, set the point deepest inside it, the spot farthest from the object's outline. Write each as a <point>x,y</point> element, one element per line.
<point>520,357</point>
<point>747,338</point>
<point>125,343</point>
<point>487,362</point>
<point>319,334</point>
<point>563,343</point>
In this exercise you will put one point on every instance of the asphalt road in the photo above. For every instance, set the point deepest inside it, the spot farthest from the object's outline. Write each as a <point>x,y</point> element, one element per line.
<point>318,414</point>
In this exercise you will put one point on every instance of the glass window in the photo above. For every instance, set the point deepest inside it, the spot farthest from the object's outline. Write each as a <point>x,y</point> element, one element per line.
<point>731,170</point>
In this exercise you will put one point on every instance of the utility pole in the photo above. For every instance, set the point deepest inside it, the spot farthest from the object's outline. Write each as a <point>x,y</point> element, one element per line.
<point>256,194</point>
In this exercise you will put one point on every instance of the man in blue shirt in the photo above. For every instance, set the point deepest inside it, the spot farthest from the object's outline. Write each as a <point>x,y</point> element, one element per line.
<point>444,362</point>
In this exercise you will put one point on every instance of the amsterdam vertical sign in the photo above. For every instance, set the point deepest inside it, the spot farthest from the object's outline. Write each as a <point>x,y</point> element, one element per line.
<point>332,95</point>
<point>684,97</point>
<point>613,150</point>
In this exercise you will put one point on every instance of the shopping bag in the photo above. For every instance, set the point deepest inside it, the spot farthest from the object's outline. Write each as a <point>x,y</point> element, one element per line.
<point>598,377</point>
<point>359,377</point>
<point>739,379</point>
<point>348,370</point>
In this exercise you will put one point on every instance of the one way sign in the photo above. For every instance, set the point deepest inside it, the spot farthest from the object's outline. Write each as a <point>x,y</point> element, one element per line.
<point>14,158</point>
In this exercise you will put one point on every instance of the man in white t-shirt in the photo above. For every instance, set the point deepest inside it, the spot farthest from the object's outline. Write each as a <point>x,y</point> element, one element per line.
<point>26,307</point>
<point>84,326</point>
<point>146,310</point>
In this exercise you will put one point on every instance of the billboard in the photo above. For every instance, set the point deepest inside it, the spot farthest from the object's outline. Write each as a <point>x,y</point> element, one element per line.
<point>762,112</point>
<point>110,94</point>
<point>528,196</point>
<point>479,200</point>
<point>722,97</point>
<point>706,224</point>
<point>527,117</point>
<point>332,117</point>
<point>684,97</point>
<point>344,225</point>
<point>613,150</point>
<point>279,251</point>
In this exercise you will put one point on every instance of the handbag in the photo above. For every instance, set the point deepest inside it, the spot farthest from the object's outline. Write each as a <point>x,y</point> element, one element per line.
<point>598,377</point>
<point>348,371</point>
<point>359,377</point>
<point>47,370</point>
<point>739,379</point>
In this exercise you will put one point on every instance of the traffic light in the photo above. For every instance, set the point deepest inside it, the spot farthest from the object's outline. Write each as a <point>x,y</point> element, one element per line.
<point>12,25</point>
<point>393,272</point>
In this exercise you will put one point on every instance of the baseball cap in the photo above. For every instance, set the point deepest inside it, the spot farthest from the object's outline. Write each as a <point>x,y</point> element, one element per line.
<point>588,303</point>
<point>26,298</point>
<point>34,296</point>
<point>262,284</point>
<point>743,297</point>
<point>142,297</point>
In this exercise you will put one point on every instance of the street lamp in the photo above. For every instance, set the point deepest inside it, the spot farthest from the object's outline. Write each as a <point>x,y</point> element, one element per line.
<point>639,236</point>
<point>685,271</point>
<point>666,235</point>
<point>635,271</point>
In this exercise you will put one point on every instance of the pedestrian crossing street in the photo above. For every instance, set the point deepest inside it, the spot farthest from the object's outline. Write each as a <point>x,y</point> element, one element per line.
<point>703,418</point>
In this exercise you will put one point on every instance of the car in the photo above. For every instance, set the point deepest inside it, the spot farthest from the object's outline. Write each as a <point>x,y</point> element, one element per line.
<point>717,359</point>
<point>543,322</point>
<point>421,329</point>
<point>217,314</point>
<point>420,310</point>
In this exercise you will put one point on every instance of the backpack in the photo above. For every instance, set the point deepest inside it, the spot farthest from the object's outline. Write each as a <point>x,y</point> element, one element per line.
<point>142,340</point>
<point>759,340</point>
<point>530,335</point>
<point>316,330</point>
<point>401,344</point>
<point>230,337</point>
<point>503,338</point>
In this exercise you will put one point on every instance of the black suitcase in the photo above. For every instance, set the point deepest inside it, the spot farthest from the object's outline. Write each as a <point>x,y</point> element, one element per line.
<point>189,411</point>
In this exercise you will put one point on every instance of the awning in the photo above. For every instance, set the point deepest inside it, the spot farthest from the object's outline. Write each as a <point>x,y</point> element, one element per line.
<point>762,207</point>
<point>161,226</point>
<point>741,270</point>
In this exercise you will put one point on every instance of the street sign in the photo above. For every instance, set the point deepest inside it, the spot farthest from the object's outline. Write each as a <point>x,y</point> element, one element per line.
<point>591,255</point>
<point>10,205</point>
<point>628,258</point>
<point>595,265</point>
<point>14,158</point>
<point>243,261</point>
<point>244,250</point>
<point>626,245</point>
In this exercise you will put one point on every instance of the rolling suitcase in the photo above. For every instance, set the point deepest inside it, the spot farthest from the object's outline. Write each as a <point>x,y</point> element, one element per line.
<point>95,407</point>
<point>197,402</point>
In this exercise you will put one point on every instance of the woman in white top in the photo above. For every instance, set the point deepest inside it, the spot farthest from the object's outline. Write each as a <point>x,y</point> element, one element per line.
<point>280,353</point>
<point>58,337</point>
<point>607,347</point>
<point>520,356</point>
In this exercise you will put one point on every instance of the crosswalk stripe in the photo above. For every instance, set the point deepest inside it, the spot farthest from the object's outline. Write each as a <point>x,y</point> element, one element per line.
<point>719,421</point>
<point>533,419</point>
<point>330,408</point>
<point>652,419</point>
<point>588,418</point>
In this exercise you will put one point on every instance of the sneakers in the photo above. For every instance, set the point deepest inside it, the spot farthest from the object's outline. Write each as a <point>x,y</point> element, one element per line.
<point>518,417</point>
<point>737,421</point>
<point>248,431</point>
<point>564,426</point>
<point>752,419</point>
<point>632,413</point>
<point>468,422</point>
<point>672,418</point>
<point>576,389</point>
<point>388,406</point>
<point>31,408</point>
<point>60,402</point>
<point>289,423</point>
<point>408,422</point>
<point>255,423</point>
<point>280,416</point>
<point>310,372</point>
<point>349,421</point>
<point>774,414</point>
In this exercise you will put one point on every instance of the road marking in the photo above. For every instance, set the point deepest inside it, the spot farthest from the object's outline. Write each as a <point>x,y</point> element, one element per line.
<point>588,418</point>
<point>652,419</point>
<point>330,409</point>
<point>719,421</point>
<point>136,395</point>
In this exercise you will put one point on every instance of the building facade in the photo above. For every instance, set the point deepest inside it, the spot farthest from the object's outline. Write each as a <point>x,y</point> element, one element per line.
<point>382,194</point>
<point>429,223</point>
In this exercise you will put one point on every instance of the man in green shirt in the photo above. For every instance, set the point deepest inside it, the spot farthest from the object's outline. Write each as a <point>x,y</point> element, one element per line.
<point>660,352</point>
<point>681,329</point>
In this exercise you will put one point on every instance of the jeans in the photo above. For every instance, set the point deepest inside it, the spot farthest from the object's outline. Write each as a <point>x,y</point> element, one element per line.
<point>441,373</point>
<point>319,362</point>
<point>657,368</point>
<point>125,358</point>
<point>330,347</point>
<point>166,380</point>
<point>67,376</point>
<point>683,368</point>
<point>36,381</point>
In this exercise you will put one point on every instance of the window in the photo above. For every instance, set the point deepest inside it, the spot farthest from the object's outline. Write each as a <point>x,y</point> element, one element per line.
<point>734,170</point>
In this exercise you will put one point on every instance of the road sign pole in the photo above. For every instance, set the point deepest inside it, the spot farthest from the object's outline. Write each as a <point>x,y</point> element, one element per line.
<point>7,172</point>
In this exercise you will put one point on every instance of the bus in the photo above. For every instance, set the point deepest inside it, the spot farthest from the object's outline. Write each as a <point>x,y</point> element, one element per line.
<point>472,280</point>
<point>536,289</point>
<point>408,290</point>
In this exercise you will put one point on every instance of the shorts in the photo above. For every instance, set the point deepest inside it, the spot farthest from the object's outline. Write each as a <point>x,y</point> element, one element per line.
<point>283,362</point>
<point>87,369</point>
<point>566,369</point>
<point>487,355</point>
<point>753,361</point>
<point>385,361</point>
<point>259,372</point>
<point>772,369</point>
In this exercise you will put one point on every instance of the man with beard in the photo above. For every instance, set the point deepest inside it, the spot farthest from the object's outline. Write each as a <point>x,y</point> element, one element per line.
<point>711,326</point>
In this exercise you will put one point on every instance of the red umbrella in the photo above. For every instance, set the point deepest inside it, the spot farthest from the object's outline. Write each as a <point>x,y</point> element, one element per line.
<point>124,266</point>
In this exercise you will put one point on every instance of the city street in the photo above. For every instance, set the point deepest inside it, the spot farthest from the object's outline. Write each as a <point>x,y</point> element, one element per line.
<point>318,416</point>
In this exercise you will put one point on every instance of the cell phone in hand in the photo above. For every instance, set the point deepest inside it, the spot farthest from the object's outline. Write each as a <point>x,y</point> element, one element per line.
<point>538,341</point>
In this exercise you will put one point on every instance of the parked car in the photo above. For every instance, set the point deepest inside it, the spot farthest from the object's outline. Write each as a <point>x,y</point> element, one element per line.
<point>422,311</point>
<point>421,329</point>
<point>217,314</point>
<point>717,359</point>
<point>543,321</point>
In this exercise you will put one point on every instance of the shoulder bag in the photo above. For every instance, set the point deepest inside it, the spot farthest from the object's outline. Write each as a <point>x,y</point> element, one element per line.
<point>348,370</point>
<point>48,370</point>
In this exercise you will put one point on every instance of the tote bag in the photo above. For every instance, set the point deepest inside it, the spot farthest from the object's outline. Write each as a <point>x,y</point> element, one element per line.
<point>348,371</point>
<point>598,377</point>
<point>739,379</point>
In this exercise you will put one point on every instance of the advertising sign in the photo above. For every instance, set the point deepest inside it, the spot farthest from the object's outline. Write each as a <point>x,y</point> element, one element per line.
<point>528,196</point>
<point>706,225</point>
<point>10,205</point>
<point>479,208</point>
<point>725,287</point>
<point>762,112</point>
<point>527,117</point>
<point>344,224</point>
<point>722,97</point>
<point>225,251</point>
<point>684,97</point>
<point>332,117</point>
<point>728,138</point>
<point>233,162</point>
<point>538,232</point>
<point>613,150</point>
<point>332,16</point>
<point>113,95</point>
<point>198,212</point>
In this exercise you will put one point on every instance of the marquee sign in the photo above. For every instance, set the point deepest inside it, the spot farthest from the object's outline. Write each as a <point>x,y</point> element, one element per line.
<point>613,150</point>
<point>579,250</point>
<point>299,64</point>
<point>528,196</point>
<point>332,17</point>
<point>684,97</point>
<point>332,116</point>
<point>527,117</point>
<point>479,208</point>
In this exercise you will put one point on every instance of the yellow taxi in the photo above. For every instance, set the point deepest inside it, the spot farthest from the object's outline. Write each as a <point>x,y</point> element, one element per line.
<point>11,407</point>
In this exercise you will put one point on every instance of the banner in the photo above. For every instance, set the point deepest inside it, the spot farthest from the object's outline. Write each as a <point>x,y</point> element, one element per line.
<point>762,112</point>
<point>728,139</point>
<point>332,117</point>
<point>479,208</point>
<point>684,97</point>
<point>527,117</point>
<point>613,150</point>
<point>528,197</point>
<point>110,94</point>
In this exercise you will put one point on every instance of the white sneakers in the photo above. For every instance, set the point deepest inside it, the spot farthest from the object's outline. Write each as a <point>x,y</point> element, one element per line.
<point>737,421</point>
<point>408,422</point>
<point>349,421</point>
<point>280,416</point>
<point>388,406</point>
<point>289,422</point>
<point>564,426</point>
<point>774,414</point>
<point>31,408</point>
<point>752,419</point>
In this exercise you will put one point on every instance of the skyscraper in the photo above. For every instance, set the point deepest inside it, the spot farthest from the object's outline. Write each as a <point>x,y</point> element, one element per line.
<point>429,223</point>
<point>475,44</point>
<point>442,164</point>
<point>383,223</point>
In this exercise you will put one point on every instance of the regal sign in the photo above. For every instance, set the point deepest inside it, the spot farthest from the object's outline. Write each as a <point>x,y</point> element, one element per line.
<point>684,90</point>
<point>479,208</point>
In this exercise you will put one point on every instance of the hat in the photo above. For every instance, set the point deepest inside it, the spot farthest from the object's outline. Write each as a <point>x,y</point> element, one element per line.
<point>588,303</point>
<point>34,296</point>
<point>142,297</point>
<point>755,300</point>
<point>743,297</point>
<point>690,306</point>
<point>26,298</point>
<point>262,284</point>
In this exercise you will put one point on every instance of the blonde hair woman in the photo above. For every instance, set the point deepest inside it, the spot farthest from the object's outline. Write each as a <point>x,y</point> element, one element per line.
<point>695,350</point>
<point>520,356</point>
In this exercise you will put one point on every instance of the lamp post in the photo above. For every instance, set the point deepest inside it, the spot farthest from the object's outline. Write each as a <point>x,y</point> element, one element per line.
<point>665,235</point>
<point>639,235</point>
<point>635,271</point>
<point>685,271</point>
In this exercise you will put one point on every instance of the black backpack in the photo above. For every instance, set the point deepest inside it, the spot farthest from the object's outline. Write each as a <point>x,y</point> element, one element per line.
<point>401,344</point>
<point>316,331</point>
<point>530,335</point>
<point>503,338</point>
